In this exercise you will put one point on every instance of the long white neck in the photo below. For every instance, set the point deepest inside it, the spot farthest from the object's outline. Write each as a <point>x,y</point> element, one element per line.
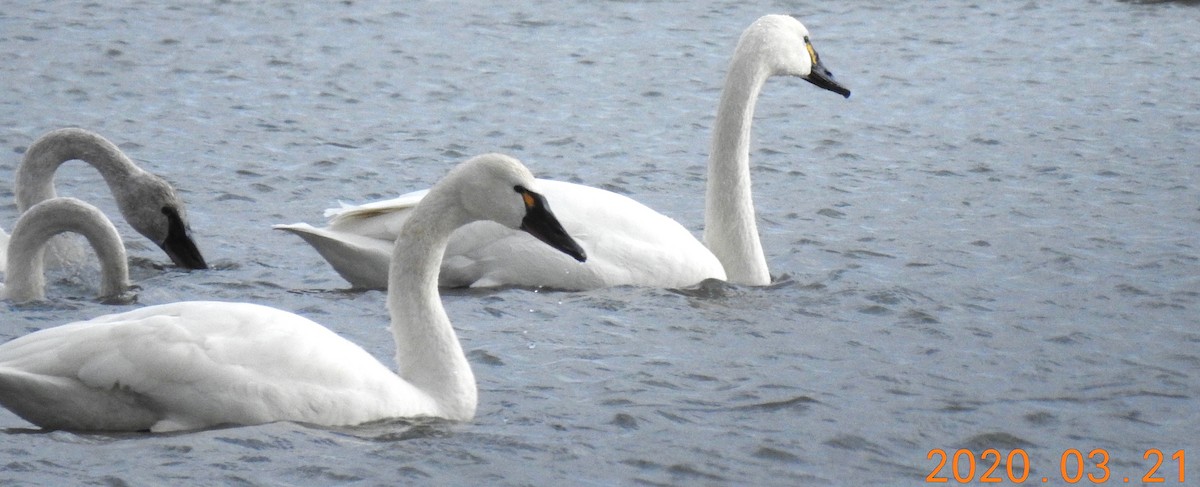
<point>730,227</point>
<point>428,354</point>
<point>35,175</point>
<point>26,280</point>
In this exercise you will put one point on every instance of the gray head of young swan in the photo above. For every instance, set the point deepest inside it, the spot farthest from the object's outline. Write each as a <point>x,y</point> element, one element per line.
<point>784,40</point>
<point>154,210</point>
<point>499,188</point>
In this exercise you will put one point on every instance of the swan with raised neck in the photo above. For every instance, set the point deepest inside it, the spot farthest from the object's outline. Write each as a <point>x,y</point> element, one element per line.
<point>148,202</point>
<point>197,364</point>
<point>774,45</point>
<point>25,279</point>
<point>627,242</point>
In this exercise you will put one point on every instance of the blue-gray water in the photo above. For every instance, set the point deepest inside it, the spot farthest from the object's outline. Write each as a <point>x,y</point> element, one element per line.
<point>994,243</point>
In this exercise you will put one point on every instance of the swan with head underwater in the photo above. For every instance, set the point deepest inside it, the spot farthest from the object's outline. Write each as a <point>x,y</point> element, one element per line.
<point>147,201</point>
<point>193,365</point>
<point>627,242</point>
<point>26,281</point>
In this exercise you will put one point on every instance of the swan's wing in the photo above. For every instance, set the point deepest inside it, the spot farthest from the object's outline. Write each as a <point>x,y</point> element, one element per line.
<point>191,365</point>
<point>359,259</point>
<point>379,219</point>
<point>404,201</point>
<point>358,241</point>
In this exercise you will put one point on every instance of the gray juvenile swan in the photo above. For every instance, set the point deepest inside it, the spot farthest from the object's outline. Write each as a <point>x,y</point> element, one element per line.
<point>627,242</point>
<point>26,280</point>
<point>147,202</point>
<point>196,364</point>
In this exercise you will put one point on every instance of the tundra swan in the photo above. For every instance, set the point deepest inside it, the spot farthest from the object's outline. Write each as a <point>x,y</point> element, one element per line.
<point>626,242</point>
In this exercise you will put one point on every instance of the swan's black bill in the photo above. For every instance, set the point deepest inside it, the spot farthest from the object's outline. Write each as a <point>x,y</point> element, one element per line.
<point>179,245</point>
<point>822,77</point>
<point>543,225</point>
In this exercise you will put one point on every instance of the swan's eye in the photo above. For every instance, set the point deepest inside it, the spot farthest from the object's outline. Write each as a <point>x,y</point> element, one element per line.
<point>527,196</point>
<point>812,53</point>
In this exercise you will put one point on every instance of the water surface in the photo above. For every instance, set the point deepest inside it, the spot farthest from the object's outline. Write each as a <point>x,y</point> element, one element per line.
<point>992,244</point>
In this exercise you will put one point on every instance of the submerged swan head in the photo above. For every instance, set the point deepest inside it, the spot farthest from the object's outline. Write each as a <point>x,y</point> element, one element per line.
<point>154,210</point>
<point>148,202</point>
<point>783,47</point>
<point>25,276</point>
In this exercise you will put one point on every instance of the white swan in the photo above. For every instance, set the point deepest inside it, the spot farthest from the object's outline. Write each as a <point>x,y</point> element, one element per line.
<point>193,365</point>
<point>148,202</point>
<point>627,242</point>
<point>26,280</point>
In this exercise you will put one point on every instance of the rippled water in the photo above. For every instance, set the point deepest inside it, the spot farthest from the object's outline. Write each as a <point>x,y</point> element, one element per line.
<point>994,243</point>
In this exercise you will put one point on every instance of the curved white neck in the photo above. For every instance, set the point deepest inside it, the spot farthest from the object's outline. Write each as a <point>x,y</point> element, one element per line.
<point>35,175</point>
<point>428,353</point>
<point>26,280</point>
<point>730,228</point>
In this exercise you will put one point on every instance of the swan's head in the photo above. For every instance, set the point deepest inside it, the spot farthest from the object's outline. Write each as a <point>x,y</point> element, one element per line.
<point>152,207</point>
<point>499,188</point>
<point>786,49</point>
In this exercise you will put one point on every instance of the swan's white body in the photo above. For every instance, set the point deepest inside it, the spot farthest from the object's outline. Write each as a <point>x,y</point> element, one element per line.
<point>148,203</point>
<point>193,365</point>
<point>627,242</point>
<point>25,278</point>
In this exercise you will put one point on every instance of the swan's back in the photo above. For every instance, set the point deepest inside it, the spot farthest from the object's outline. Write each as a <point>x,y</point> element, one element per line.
<point>195,364</point>
<point>379,219</point>
<point>626,241</point>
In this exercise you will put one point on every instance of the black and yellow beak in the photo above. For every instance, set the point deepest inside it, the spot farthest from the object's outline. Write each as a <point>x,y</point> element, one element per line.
<point>179,245</point>
<point>540,222</point>
<point>820,75</point>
